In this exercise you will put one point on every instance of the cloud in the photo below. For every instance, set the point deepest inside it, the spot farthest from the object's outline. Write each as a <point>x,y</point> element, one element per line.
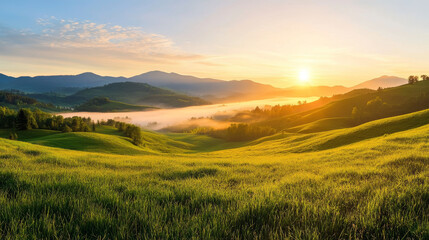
<point>85,42</point>
<point>69,33</point>
<point>210,64</point>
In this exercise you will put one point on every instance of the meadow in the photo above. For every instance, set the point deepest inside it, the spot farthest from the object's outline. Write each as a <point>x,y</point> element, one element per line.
<point>365,182</point>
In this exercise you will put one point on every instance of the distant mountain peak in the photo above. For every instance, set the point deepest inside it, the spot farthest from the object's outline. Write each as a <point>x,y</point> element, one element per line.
<point>88,74</point>
<point>384,81</point>
<point>155,72</point>
<point>386,77</point>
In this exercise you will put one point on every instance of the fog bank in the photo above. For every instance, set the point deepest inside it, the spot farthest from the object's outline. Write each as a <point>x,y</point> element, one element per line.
<point>157,119</point>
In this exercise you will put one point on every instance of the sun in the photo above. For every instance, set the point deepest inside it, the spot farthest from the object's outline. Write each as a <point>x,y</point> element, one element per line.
<point>304,76</point>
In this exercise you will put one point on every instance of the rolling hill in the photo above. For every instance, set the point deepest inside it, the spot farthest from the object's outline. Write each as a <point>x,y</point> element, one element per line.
<point>14,100</point>
<point>364,182</point>
<point>138,93</point>
<point>412,98</point>
<point>84,141</point>
<point>106,105</point>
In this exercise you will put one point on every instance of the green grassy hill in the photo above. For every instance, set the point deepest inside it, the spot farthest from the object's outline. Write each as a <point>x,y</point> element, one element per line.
<point>365,182</point>
<point>140,94</point>
<point>108,139</point>
<point>84,141</point>
<point>107,105</point>
<point>324,124</point>
<point>295,143</point>
<point>399,100</point>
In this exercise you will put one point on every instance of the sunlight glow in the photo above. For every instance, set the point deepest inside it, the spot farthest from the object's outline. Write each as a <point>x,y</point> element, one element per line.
<point>304,76</point>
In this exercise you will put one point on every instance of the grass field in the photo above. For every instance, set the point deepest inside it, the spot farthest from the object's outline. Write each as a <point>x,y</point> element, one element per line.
<point>366,182</point>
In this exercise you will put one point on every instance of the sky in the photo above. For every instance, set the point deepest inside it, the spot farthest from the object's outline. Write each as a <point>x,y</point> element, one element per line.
<point>335,42</point>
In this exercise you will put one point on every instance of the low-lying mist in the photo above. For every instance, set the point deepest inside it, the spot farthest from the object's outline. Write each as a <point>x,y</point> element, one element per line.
<point>162,118</point>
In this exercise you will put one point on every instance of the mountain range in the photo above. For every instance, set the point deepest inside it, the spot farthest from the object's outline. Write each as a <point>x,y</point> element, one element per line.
<point>213,90</point>
<point>140,94</point>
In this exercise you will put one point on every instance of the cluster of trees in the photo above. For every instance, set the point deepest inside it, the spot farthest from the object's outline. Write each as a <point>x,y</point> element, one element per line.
<point>15,98</point>
<point>274,111</point>
<point>243,132</point>
<point>374,109</point>
<point>130,130</point>
<point>26,119</point>
<point>413,79</point>
<point>281,110</point>
<point>7,117</point>
<point>89,105</point>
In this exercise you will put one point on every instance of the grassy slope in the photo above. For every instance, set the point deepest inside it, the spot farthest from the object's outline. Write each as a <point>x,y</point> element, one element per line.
<point>343,105</point>
<point>108,139</point>
<point>324,124</point>
<point>84,141</point>
<point>336,138</point>
<point>350,183</point>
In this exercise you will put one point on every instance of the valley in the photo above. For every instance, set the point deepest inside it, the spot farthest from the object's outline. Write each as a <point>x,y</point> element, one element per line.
<point>321,173</point>
<point>318,183</point>
<point>214,120</point>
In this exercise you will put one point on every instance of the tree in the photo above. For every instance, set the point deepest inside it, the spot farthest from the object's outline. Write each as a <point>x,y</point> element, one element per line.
<point>59,121</point>
<point>134,133</point>
<point>41,118</point>
<point>85,128</point>
<point>375,105</point>
<point>67,129</point>
<point>13,136</point>
<point>25,120</point>
<point>93,126</point>
<point>424,77</point>
<point>357,114</point>
<point>137,136</point>
<point>7,117</point>
<point>413,79</point>
<point>243,132</point>
<point>257,110</point>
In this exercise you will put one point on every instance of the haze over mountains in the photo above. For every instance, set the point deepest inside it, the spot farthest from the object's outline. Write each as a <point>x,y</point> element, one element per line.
<point>383,81</point>
<point>141,94</point>
<point>213,90</point>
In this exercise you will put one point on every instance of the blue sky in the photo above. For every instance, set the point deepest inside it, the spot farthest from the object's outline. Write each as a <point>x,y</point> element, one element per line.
<point>337,42</point>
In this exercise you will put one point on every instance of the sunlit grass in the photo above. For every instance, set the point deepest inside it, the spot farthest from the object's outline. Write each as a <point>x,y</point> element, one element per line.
<point>342,184</point>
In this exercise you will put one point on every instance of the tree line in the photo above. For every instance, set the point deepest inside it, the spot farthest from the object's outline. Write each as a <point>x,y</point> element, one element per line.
<point>17,99</point>
<point>413,78</point>
<point>235,132</point>
<point>245,132</point>
<point>27,119</point>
